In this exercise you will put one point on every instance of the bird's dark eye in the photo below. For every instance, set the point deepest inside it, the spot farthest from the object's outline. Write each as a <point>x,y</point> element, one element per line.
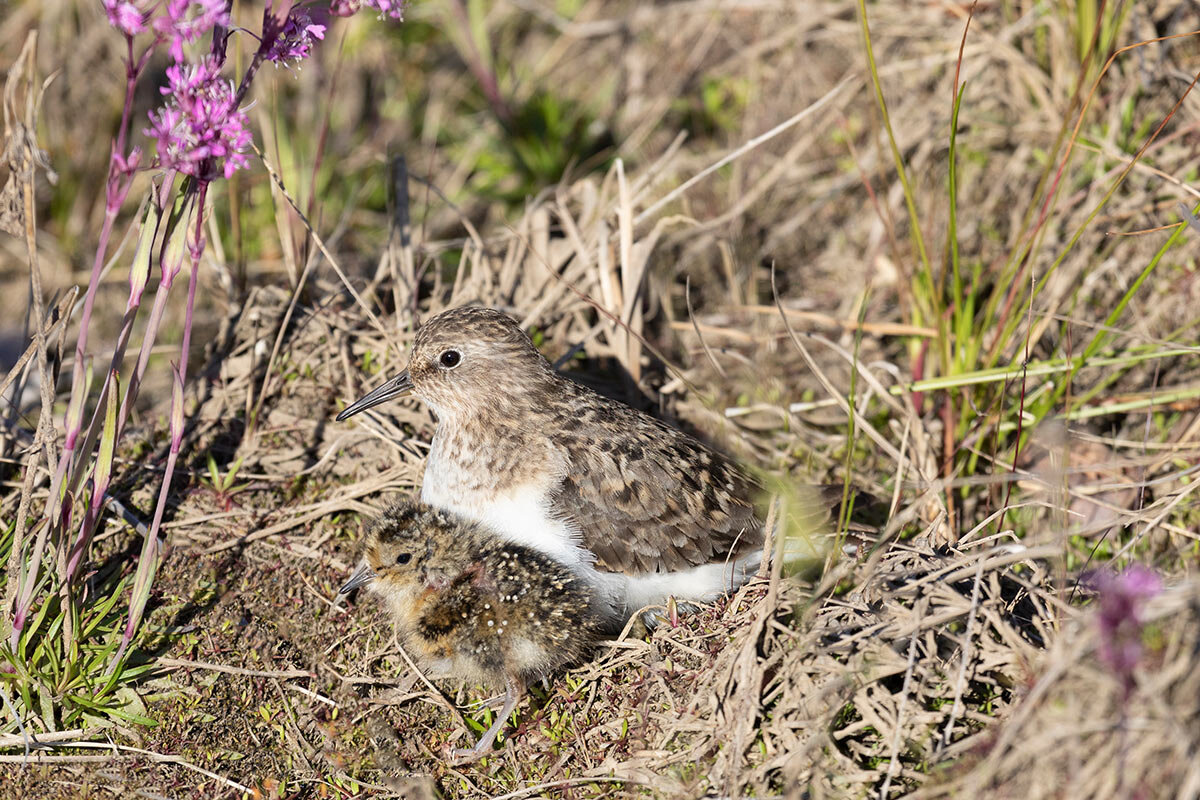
<point>403,559</point>
<point>450,358</point>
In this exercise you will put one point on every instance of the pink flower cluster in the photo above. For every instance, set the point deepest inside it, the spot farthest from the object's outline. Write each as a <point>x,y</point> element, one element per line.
<point>1119,620</point>
<point>386,8</point>
<point>200,126</point>
<point>200,130</point>
<point>180,21</point>
<point>185,21</point>
<point>125,16</point>
<point>295,39</point>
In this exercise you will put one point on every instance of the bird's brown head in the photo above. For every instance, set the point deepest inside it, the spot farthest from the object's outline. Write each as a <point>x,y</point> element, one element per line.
<point>460,359</point>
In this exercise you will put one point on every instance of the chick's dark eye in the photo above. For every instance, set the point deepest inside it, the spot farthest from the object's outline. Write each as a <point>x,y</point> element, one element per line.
<point>450,358</point>
<point>403,559</point>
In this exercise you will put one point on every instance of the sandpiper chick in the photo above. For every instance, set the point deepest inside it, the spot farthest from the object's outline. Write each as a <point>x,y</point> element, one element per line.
<point>641,510</point>
<point>471,605</point>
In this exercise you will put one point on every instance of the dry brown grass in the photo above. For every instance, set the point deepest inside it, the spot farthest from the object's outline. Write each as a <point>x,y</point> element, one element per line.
<point>949,657</point>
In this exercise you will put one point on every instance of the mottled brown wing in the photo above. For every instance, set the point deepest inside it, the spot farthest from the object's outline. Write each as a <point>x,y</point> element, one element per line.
<point>648,498</point>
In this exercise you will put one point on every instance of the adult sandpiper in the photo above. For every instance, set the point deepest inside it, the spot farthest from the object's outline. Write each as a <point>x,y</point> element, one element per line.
<point>641,510</point>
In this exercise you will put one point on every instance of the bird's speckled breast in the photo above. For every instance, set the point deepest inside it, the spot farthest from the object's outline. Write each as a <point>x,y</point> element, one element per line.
<point>504,489</point>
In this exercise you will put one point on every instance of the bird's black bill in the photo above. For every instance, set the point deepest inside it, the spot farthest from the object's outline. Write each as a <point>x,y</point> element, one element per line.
<point>398,386</point>
<point>362,575</point>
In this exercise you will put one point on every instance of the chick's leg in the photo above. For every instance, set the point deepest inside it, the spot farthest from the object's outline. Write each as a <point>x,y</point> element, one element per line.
<point>484,745</point>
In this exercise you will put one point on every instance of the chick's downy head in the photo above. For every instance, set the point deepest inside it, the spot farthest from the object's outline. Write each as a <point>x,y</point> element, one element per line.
<point>410,550</point>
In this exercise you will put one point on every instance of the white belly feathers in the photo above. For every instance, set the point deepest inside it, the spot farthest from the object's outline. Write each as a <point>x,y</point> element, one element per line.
<point>523,516</point>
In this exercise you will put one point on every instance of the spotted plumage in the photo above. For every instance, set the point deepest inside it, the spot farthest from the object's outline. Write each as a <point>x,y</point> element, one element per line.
<point>471,605</point>
<point>640,509</point>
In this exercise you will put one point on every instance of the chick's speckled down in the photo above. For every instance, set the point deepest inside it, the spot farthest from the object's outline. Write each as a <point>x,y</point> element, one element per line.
<point>473,606</point>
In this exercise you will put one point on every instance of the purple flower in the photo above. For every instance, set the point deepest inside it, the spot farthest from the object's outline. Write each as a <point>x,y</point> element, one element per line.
<point>185,21</point>
<point>1120,617</point>
<point>200,126</point>
<point>294,42</point>
<point>125,16</point>
<point>390,8</point>
<point>346,8</point>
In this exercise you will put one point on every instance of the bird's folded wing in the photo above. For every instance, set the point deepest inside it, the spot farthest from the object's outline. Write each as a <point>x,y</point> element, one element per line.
<point>658,501</point>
